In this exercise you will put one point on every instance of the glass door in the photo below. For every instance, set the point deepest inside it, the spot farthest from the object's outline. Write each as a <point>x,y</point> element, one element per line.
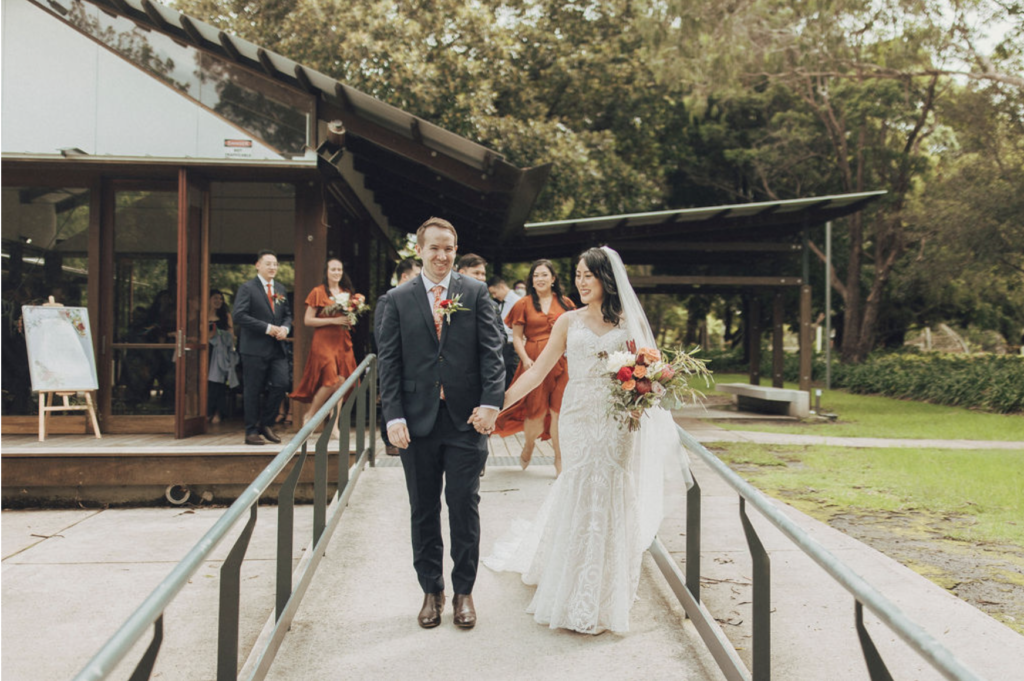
<point>191,342</point>
<point>140,308</point>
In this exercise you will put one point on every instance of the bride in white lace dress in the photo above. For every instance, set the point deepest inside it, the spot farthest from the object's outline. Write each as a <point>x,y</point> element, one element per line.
<point>583,550</point>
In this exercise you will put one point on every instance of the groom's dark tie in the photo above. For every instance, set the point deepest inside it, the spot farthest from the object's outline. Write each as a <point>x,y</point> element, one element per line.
<point>436,290</point>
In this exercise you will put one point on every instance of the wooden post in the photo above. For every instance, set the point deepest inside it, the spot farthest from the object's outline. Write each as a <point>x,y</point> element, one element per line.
<point>754,339</point>
<point>778,356</point>
<point>311,249</point>
<point>805,338</point>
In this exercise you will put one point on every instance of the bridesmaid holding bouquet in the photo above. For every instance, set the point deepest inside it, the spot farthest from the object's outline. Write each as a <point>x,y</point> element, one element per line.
<point>331,358</point>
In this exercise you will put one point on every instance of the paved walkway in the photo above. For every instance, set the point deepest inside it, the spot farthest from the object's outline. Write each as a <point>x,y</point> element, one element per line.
<point>69,578</point>
<point>707,433</point>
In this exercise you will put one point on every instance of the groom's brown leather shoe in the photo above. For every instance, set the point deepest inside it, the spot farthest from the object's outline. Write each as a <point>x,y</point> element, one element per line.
<point>430,613</point>
<point>465,613</point>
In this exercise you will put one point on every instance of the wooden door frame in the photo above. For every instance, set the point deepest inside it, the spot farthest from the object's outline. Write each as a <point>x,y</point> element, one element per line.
<point>185,426</point>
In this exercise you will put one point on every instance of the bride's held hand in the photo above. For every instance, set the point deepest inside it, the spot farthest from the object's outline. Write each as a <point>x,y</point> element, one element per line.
<point>482,420</point>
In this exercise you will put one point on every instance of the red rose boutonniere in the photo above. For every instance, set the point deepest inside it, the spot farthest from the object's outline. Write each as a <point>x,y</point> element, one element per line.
<point>449,306</point>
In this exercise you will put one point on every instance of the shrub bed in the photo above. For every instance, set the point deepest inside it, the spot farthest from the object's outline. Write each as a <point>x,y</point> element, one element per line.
<point>988,382</point>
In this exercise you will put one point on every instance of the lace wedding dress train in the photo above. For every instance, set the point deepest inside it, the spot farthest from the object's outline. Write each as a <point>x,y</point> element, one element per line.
<point>582,550</point>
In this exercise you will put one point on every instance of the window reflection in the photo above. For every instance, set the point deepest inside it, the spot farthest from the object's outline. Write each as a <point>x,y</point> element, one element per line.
<point>44,253</point>
<point>145,301</point>
<point>269,111</point>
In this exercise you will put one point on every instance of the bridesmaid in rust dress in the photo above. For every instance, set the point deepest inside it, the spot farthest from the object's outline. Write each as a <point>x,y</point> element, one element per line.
<point>331,359</point>
<point>531,320</point>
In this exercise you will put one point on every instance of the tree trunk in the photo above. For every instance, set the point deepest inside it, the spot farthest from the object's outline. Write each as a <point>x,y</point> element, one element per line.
<point>851,316</point>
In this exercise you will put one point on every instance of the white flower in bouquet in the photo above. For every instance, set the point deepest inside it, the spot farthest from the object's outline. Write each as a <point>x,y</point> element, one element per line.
<point>617,360</point>
<point>342,299</point>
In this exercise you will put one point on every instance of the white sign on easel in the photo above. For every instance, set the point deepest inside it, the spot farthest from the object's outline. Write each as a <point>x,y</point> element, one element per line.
<point>60,358</point>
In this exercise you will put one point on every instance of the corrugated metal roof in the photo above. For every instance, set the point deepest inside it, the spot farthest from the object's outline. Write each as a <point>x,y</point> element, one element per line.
<point>693,215</point>
<point>202,35</point>
<point>663,235</point>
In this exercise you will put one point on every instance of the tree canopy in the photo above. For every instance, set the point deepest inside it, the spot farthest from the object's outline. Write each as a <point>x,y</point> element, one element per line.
<point>650,104</point>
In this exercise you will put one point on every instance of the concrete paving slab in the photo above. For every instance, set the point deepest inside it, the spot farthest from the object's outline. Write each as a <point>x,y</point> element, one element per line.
<point>163,533</point>
<point>65,596</point>
<point>26,529</point>
<point>813,635</point>
<point>359,620</point>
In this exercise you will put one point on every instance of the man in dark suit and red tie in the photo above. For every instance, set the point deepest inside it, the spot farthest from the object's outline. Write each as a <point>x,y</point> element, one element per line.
<point>263,317</point>
<point>440,359</point>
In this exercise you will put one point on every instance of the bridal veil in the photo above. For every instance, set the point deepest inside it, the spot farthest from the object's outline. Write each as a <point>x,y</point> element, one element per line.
<point>657,443</point>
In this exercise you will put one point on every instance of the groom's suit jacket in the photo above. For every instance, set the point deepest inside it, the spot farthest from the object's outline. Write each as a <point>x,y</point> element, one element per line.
<point>414,363</point>
<point>252,313</point>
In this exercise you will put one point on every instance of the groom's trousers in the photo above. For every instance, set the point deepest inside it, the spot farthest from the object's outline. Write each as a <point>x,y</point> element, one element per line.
<point>452,459</point>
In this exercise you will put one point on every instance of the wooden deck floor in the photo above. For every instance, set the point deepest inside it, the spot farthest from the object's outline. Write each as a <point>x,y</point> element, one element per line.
<point>138,468</point>
<point>223,441</point>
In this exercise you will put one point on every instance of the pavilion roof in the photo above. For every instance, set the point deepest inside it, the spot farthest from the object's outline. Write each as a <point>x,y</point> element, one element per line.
<point>654,236</point>
<point>412,167</point>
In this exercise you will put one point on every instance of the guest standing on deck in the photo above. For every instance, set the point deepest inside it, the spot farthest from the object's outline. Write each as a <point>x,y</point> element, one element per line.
<point>263,318</point>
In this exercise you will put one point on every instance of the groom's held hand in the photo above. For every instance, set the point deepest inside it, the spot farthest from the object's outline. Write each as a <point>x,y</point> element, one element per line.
<point>398,435</point>
<point>483,419</point>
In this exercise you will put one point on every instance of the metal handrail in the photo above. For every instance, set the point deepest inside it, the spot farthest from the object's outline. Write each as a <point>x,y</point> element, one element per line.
<point>687,588</point>
<point>150,612</point>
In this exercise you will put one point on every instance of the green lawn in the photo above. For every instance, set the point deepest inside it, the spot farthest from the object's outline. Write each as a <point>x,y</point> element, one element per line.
<point>874,416</point>
<point>985,487</point>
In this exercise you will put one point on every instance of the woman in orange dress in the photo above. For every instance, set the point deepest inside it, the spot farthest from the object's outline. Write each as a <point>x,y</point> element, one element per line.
<point>331,359</point>
<point>531,320</point>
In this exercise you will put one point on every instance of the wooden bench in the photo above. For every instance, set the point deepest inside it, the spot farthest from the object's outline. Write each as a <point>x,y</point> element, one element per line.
<point>767,400</point>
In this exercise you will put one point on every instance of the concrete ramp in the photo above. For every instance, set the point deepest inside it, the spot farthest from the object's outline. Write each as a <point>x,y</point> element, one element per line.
<point>358,619</point>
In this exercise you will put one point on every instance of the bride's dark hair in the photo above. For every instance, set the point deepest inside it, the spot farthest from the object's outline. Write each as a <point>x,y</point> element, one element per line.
<point>600,266</point>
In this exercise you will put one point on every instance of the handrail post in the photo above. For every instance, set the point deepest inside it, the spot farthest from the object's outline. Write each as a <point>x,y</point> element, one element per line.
<point>320,475</point>
<point>286,533</point>
<point>876,666</point>
<point>230,593</point>
<point>344,438</point>
<point>145,666</point>
<point>693,498</point>
<point>361,397</point>
<point>373,413</point>
<point>762,605</point>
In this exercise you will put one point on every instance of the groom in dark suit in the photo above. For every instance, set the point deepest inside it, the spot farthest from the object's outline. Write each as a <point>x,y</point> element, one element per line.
<point>439,362</point>
<point>263,317</point>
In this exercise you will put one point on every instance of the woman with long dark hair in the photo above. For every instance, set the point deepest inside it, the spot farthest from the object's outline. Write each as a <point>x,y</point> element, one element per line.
<point>531,320</point>
<point>331,359</point>
<point>584,549</point>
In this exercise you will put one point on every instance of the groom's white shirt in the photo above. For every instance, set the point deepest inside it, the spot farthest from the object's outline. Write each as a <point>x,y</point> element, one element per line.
<point>427,285</point>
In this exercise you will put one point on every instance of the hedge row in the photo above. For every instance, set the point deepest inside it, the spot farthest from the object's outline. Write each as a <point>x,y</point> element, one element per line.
<point>987,382</point>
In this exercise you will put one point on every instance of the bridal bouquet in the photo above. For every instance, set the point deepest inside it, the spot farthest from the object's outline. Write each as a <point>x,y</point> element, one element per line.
<point>352,305</point>
<point>647,377</point>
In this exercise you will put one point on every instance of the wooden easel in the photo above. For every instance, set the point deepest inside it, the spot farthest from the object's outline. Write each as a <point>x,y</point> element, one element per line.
<point>47,398</point>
